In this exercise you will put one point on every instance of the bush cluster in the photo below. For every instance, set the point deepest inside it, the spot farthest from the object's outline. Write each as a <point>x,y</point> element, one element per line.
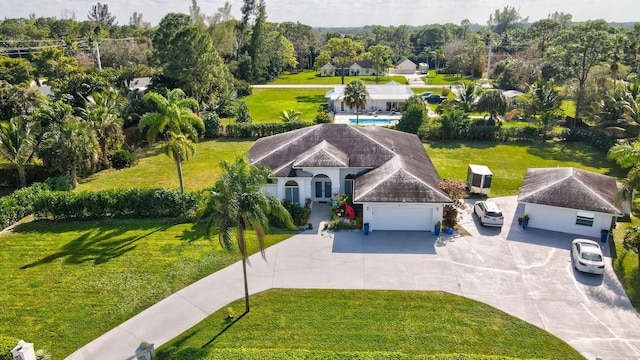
<point>128,203</point>
<point>249,130</point>
<point>122,158</point>
<point>19,204</point>
<point>482,132</point>
<point>299,215</point>
<point>211,125</point>
<point>596,138</point>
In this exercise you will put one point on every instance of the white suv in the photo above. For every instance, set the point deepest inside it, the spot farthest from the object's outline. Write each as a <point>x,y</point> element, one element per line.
<point>488,213</point>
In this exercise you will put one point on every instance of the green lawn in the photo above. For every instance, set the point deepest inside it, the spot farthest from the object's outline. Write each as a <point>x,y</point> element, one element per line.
<point>406,322</point>
<point>308,77</point>
<point>156,169</point>
<point>509,162</point>
<point>443,79</point>
<point>66,283</point>
<point>266,105</point>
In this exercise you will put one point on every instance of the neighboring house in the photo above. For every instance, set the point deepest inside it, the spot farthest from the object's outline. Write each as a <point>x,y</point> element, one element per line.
<point>406,66</point>
<point>387,97</point>
<point>362,67</point>
<point>570,200</point>
<point>140,84</point>
<point>387,171</point>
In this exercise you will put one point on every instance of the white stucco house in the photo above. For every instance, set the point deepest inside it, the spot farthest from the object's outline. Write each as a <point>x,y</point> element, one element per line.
<point>405,66</point>
<point>362,67</point>
<point>386,97</point>
<point>570,200</point>
<point>387,171</point>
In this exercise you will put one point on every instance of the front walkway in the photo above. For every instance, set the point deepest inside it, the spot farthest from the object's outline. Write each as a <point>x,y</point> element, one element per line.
<point>526,273</point>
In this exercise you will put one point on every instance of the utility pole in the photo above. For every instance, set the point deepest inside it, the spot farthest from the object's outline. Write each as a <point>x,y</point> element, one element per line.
<point>98,56</point>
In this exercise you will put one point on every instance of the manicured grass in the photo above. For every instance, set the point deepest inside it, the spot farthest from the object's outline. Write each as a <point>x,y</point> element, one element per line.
<point>266,105</point>
<point>443,79</point>
<point>407,322</point>
<point>509,162</point>
<point>313,77</point>
<point>66,283</point>
<point>156,169</point>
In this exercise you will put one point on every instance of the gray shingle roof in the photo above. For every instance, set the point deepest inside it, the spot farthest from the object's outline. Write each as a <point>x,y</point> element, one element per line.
<point>571,188</point>
<point>401,169</point>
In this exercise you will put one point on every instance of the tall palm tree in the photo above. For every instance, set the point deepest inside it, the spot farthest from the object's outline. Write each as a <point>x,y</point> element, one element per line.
<point>173,117</point>
<point>102,113</point>
<point>237,204</point>
<point>439,56</point>
<point>17,144</point>
<point>631,104</point>
<point>467,95</point>
<point>355,96</point>
<point>179,147</point>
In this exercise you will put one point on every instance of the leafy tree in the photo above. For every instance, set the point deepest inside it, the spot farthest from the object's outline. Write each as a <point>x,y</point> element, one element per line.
<point>100,13</point>
<point>340,52</point>
<point>79,87</point>
<point>355,96</point>
<point>457,191</point>
<point>632,239</point>
<point>15,71</point>
<point>102,112</point>
<point>493,102</point>
<point>256,48</point>
<point>176,121</point>
<point>412,118</point>
<point>238,204</point>
<point>168,27</point>
<point>53,65</point>
<point>17,100</point>
<point>17,144</point>
<point>289,116</point>
<point>543,32</point>
<point>380,56</point>
<point>243,115</point>
<point>627,155</point>
<point>69,147</point>
<point>222,31</point>
<point>578,49</point>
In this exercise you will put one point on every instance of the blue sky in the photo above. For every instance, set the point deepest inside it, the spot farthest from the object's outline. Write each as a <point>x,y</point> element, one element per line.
<point>340,12</point>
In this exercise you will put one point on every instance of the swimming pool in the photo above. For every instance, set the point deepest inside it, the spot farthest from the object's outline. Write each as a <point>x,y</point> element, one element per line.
<point>378,122</point>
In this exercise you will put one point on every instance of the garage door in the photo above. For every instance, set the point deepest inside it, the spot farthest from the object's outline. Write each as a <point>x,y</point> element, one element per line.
<point>417,218</point>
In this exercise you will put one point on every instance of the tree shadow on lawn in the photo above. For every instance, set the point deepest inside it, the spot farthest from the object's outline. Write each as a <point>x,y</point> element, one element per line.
<point>457,144</point>
<point>98,248</point>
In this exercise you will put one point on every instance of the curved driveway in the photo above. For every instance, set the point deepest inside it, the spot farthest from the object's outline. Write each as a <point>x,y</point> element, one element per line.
<point>526,273</point>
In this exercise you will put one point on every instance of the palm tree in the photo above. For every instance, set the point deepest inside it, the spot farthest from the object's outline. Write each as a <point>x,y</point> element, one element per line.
<point>631,104</point>
<point>237,204</point>
<point>174,117</point>
<point>289,116</point>
<point>355,96</point>
<point>439,56</point>
<point>17,144</point>
<point>101,112</point>
<point>493,102</point>
<point>467,96</point>
<point>179,147</point>
<point>628,156</point>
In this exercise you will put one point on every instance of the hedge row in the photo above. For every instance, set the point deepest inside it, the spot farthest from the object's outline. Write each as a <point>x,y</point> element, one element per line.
<point>244,130</point>
<point>129,203</point>
<point>294,354</point>
<point>19,204</point>
<point>484,133</point>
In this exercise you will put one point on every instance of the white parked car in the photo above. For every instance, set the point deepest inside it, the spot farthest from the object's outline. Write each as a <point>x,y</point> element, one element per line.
<point>587,256</point>
<point>488,213</point>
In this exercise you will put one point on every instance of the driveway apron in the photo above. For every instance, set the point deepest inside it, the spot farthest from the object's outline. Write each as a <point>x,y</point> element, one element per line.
<point>526,273</point>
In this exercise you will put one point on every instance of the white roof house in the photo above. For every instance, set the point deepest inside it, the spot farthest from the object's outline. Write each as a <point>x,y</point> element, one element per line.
<point>386,97</point>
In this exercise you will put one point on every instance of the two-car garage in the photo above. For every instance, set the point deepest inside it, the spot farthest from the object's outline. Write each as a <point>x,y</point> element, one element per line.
<point>399,216</point>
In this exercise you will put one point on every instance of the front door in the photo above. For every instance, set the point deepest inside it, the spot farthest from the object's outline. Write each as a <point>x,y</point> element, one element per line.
<point>323,189</point>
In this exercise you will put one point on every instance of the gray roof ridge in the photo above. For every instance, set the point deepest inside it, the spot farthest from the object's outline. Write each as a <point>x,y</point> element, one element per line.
<point>283,166</point>
<point>287,143</point>
<point>404,169</point>
<point>362,130</point>
<point>546,186</point>
<point>387,176</point>
<point>322,146</point>
<point>573,172</point>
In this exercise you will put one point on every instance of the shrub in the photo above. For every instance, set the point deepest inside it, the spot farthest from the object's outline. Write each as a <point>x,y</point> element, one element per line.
<point>412,118</point>
<point>122,158</point>
<point>323,117</point>
<point>262,129</point>
<point>59,183</point>
<point>299,215</point>
<point>7,343</point>
<point>243,115</point>
<point>19,204</point>
<point>211,125</point>
<point>596,138</point>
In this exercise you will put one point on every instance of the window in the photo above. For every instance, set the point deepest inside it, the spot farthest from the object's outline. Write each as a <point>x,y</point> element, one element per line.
<point>292,191</point>
<point>348,184</point>
<point>585,218</point>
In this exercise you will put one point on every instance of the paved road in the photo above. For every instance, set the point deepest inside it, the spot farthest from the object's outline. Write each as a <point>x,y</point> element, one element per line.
<point>527,274</point>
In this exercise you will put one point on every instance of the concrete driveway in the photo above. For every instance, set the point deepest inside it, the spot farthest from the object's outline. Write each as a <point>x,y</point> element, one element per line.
<point>526,273</point>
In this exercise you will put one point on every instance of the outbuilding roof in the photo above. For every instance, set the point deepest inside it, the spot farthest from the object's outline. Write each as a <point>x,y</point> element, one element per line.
<point>397,167</point>
<point>571,188</point>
